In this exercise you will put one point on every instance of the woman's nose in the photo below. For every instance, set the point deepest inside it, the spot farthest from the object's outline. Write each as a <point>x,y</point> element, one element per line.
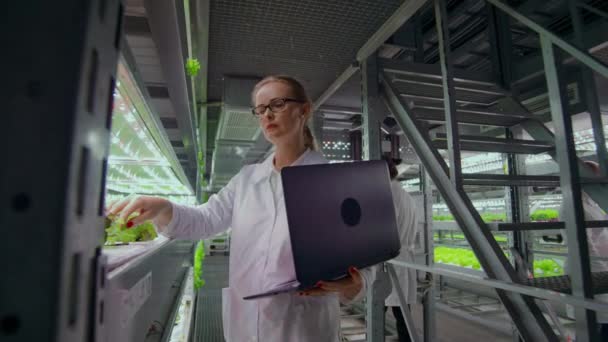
<point>268,114</point>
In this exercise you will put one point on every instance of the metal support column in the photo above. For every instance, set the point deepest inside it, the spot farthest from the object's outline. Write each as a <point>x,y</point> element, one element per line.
<point>356,140</point>
<point>316,127</point>
<point>524,312</point>
<point>516,205</point>
<point>590,92</point>
<point>200,19</point>
<point>419,39</point>
<point>405,310</point>
<point>372,109</point>
<point>451,125</point>
<point>500,46</point>
<point>428,297</point>
<point>376,296</point>
<point>573,213</point>
<point>55,141</point>
<point>395,145</point>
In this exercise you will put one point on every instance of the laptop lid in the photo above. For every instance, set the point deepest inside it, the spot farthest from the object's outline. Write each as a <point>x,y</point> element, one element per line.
<point>339,215</point>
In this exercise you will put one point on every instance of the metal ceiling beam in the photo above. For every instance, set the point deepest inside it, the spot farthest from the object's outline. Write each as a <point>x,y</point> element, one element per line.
<point>343,78</point>
<point>164,24</point>
<point>341,110</point>
<point>401,15</point>
<point>524,312</point>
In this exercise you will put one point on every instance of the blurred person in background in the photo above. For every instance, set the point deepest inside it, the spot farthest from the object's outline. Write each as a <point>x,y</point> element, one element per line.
<point>407,225</point>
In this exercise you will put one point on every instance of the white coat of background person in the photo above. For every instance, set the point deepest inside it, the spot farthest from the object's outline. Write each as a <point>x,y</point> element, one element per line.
<point>597,239</point>
<point>260,252</point>
<point>407,226</point>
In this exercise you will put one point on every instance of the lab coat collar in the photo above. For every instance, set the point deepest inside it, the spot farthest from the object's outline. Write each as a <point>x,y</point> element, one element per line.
<point>264,169</point>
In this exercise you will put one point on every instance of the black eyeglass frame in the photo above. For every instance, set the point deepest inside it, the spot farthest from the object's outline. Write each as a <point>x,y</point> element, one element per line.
<point>268,106</point>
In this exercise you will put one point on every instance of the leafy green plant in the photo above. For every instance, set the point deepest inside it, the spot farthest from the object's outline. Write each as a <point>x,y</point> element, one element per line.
<point>544,215</point>
<point>466,258</point>
<point>192,67</point>
<point>457,257</point>
<point>547,268</point>
<point>487,217</point>
<point>117,231</point>
<point>443,218</point>
<point>459,236</point>
<point>199,256</point>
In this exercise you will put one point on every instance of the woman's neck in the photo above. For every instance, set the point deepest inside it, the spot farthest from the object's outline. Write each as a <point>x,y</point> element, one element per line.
<point>286,155</point>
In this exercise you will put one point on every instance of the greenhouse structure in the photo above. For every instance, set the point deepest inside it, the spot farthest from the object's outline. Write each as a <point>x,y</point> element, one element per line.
<point>495,111</point>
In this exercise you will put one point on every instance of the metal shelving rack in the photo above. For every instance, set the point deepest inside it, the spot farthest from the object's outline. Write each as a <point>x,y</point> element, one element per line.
<point>62,100</point>
<point>54,185</point>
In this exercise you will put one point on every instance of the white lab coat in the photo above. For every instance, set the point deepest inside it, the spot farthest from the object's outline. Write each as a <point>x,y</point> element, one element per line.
<point>597,240</point>
<point>407,224</point>
<point>260,258</point>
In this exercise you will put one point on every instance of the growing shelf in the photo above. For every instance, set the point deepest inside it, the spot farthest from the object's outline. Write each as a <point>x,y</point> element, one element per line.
<point>137,162</point>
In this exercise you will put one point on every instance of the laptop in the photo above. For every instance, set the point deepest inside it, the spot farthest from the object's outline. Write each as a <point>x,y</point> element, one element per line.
<point>339,215</point>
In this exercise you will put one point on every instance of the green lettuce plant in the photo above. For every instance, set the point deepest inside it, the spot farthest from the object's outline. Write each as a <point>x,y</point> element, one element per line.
<point>544,215</point>
<point>466,258</point>
<point>547,268</point>
<point>116,231</point>
<point>199,256</point>
<point>192,67</point>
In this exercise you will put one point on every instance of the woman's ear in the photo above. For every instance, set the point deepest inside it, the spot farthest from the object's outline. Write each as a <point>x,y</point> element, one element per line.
<point>306,110</point>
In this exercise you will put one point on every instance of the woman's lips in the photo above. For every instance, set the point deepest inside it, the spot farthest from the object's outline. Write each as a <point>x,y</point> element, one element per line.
<point>271,126</point>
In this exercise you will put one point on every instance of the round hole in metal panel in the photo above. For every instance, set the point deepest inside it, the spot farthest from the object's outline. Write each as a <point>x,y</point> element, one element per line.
<point>351,212</point>
<point>21,202</point>
<point>9,324</point>
<point>34,90</point>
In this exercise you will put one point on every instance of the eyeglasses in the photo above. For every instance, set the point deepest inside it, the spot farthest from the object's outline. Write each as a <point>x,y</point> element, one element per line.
<point>275,106</point>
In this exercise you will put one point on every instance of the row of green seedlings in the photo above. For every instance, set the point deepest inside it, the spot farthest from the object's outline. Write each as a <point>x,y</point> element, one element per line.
<point>540,215</point>
<point>466,258</point>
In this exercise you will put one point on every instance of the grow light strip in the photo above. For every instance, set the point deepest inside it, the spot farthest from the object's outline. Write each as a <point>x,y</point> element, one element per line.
<point>132,181</point>
<point>131,116</point>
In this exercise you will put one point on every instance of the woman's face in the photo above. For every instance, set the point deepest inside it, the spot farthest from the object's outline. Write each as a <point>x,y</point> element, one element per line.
<point>286,124</point>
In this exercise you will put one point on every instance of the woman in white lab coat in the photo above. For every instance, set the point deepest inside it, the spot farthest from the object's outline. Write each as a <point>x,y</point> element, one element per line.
<point>407,224</point>
<point>260,252</point>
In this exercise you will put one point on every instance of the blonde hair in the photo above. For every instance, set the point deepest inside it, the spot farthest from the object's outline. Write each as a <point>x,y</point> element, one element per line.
<point>299,93</point>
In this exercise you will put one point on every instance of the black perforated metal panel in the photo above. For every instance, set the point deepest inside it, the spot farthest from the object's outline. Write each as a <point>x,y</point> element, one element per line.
<point>313,40</point>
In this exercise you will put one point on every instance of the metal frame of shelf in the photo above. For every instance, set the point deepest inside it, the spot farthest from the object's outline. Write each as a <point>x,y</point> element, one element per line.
<point>141,293</point>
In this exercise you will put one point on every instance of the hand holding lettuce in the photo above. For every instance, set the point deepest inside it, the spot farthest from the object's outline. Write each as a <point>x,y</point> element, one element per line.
<point>116,230</point>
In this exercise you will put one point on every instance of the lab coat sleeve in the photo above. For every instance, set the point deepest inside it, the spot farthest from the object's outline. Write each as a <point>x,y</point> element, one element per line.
<point>211,218</point>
